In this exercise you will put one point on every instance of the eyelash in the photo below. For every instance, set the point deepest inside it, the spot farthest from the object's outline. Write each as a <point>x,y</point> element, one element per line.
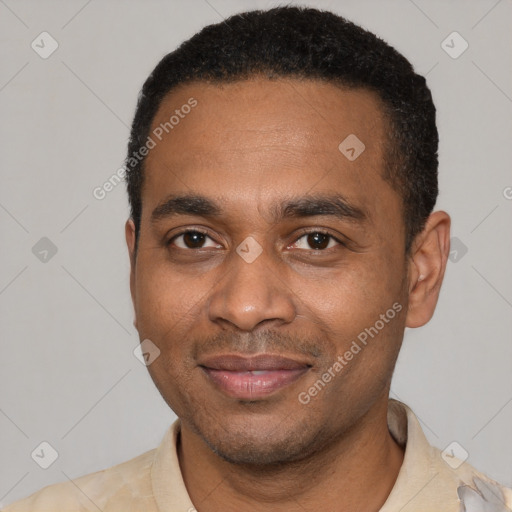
<point>303,232</point>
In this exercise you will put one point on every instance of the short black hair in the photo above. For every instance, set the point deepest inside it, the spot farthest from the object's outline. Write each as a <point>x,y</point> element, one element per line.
<point>306,43</point>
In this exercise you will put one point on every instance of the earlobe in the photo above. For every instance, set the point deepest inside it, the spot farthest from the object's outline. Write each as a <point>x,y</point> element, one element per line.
<point>426,268</point>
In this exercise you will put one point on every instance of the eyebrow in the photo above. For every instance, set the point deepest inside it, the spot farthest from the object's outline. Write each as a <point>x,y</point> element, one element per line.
<point>311,206</point>
<point>305,206</point>
<point>185,205</point>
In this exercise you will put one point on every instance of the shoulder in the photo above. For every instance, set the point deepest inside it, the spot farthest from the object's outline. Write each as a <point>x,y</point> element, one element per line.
<point>434,479</point>
<point>475,490</point>
<point>105,490</point>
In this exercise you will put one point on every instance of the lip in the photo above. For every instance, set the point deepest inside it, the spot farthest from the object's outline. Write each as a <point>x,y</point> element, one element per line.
<point>253,377</point>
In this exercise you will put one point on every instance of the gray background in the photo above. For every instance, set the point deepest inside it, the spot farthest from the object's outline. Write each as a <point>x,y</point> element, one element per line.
<point>68,373</point>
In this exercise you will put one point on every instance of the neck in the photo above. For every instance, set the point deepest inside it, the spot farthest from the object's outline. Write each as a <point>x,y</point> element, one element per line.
<point>337,478</point>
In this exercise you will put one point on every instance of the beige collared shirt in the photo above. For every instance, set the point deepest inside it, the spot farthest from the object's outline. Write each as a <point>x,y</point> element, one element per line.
<point>152,482</point>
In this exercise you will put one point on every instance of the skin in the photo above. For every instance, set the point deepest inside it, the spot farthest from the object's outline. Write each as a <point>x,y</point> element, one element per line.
<point>248,146</point>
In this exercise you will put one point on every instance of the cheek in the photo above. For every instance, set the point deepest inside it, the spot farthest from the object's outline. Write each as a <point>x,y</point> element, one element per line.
<point>166,309</point>
<point>165,299</point>
<point>350,299</point>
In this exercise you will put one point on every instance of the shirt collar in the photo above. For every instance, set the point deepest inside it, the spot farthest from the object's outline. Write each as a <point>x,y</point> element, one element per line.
<point>418,470</point>
<point>418,479</point>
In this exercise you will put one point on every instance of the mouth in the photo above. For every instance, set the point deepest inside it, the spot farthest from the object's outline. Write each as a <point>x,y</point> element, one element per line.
<point>250,378</point>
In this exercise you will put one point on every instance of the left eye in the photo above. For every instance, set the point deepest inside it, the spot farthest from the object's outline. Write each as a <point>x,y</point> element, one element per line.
<point>316,240</point>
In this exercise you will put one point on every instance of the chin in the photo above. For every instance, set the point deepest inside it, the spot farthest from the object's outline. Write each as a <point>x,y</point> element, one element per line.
<point>262,443</point>
<point>255,453</point>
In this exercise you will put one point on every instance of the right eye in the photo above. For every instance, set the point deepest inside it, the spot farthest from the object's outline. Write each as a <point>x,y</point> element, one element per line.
<point>192,239</point>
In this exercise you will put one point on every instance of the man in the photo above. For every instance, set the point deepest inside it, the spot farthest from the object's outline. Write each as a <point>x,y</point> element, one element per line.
<point>282,175</point>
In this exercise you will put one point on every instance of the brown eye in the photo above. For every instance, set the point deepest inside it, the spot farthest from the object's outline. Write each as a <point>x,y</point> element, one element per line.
<point>315,240</point>
<point>318,240</point>
<point>193,239</point>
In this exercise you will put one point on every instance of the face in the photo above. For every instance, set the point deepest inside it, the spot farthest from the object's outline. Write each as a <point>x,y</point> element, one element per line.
<point>266,255</point>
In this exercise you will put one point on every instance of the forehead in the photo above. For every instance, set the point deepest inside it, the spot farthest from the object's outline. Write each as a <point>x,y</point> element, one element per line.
<point>258,135</point>
<point>262,108</point>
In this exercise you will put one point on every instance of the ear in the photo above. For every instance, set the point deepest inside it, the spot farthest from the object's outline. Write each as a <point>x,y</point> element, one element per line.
<point>427,265</point>
<point>129,230</point>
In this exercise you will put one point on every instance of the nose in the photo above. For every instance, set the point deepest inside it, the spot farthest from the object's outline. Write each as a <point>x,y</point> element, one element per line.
<point>251,295</point>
